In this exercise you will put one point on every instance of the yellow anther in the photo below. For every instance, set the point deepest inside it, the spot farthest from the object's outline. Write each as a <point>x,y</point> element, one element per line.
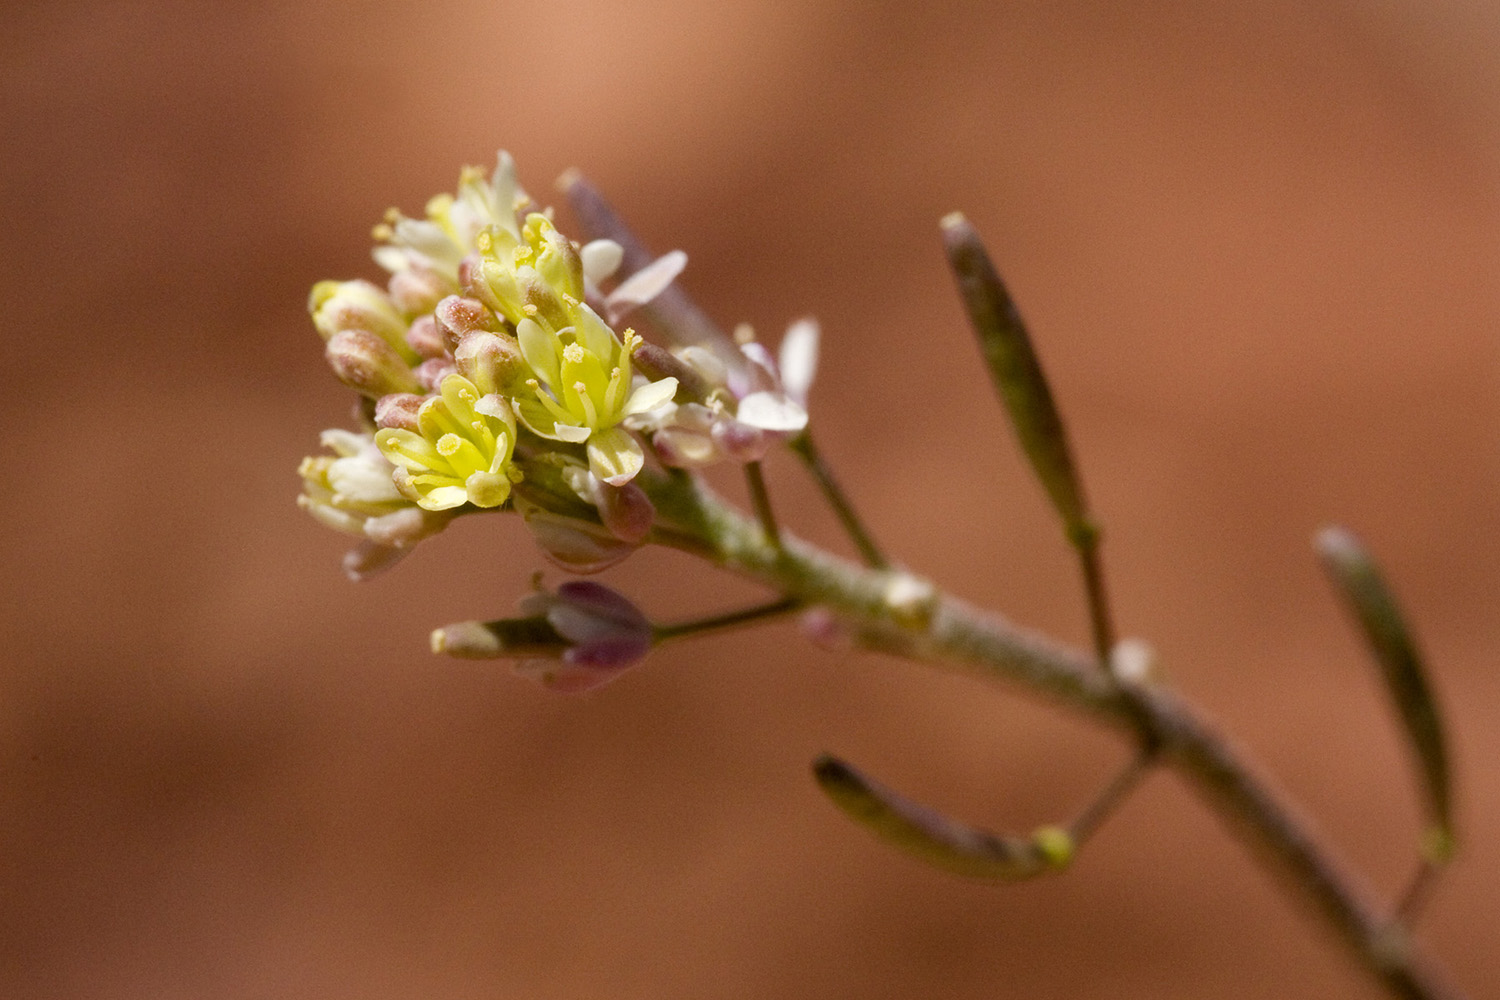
<point>574,353</point>
<point>448,445</point>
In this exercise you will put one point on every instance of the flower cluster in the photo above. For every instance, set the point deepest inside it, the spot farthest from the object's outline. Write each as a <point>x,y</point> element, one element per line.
<point>495,372</point>
<point>494,351</point>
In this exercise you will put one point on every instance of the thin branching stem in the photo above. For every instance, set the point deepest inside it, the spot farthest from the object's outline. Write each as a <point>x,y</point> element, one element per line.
<point>822,474</point>
<point>733,619</point>
<point>1086,542</point>
<point>961,637</point>
<point>1110,797</point>
<point>761,498</point>
<point>1417,892</point>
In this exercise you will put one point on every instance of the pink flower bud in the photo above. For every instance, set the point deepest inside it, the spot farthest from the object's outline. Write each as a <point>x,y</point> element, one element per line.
<point>430,373</point>
<point>399,409</point>
<point>458,316</point>
<point>417,290</point>
<point>426,338</point>
<point>368,365</point>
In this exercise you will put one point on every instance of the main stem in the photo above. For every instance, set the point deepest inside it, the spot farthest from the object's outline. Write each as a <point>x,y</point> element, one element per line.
<point>959,636</point>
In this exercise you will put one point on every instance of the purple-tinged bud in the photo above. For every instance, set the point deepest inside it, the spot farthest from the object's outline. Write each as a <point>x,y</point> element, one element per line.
<point>493,362</point>
<point>572,641</point>
<point>739,441</point>
<point>430,373</point>
<point>568,543</point>
<point>399,409</point>
<point>606,635</point>
<point>458,316</point>
<point>417,290</point>
<point>368,365</point>
<point>426,338</point>
<point>626,511</point>
<point>824,629</point>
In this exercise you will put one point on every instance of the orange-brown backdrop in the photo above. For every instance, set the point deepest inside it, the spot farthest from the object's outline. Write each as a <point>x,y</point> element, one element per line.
<point>1257,244</point>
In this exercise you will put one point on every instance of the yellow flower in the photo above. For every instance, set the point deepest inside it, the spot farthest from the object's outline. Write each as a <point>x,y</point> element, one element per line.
<point>453,224</point>
<point>585,394</point>
<point>462,453</point>
<point>532,272</point>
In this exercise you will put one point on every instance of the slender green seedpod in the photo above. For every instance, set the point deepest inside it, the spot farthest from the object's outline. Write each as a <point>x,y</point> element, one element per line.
<point>936,839</point>
<point>1018,378</point>
<point>1015,369</point>
<point>1358,579</point>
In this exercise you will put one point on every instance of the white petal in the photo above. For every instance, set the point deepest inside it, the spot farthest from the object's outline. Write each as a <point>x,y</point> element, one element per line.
<point>594,334</point>
<point>762,368</point>
<point>571,434</point>
<point>771,411</point>
<point>540,349</point>
<point>649,396</point>
<point>391,258</point>
<point>645,284</point>
<point>345,443</point>
<point>615,457</point>
<point>601,259</point>
<point>799,359</point>
<point>503,183</point>
<point>362,481</point>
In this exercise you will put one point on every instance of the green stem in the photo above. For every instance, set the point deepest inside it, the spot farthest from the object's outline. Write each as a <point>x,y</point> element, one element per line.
<point>1110,797</point>
<point>822,474</point>
<point>961,637</point>
<point>744,616</point>
<point>1417,892</point>
<point>761,498</point>
<point>1084,538</point>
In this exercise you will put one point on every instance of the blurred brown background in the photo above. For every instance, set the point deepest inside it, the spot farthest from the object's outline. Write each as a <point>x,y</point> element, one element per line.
<point>1257,243</point>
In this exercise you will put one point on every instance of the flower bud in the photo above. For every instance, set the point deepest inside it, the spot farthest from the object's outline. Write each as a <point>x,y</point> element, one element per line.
<point>356,305</point>
<point>491,361</point>
<point>416,290</point>
<point>426,338</point>
<point>458,316</point>
<point>572,641</point>
<point>626,511</point>
<point>657,362</point>
<point>368,365</point>
<point>399,409</point>
<point>430,373</point>
<point>738,440</point>
<point>572,544</point>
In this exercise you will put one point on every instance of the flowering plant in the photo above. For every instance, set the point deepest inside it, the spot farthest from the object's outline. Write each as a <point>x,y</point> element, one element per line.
<point>496,372</point>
